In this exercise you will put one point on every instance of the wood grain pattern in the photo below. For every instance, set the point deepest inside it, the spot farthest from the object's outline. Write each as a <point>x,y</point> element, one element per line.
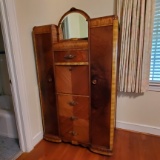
<point>71,63</point>
<point>103,57</point>
<point>66,127</point>
<point>101,42</point>
<point>102,21</point>
<point>78,56</point>
<point>63,79</point>
<point>73,105</point>
<point>114,81</point>
<point>79,71</point>
<point>74,117</point>
<point>81,126</point>
<point>44,63</point>
<point>43,29</point>
<point>69,79</point>
<point>127,146</point>
<point>80,80</point>
<point>70,45</point>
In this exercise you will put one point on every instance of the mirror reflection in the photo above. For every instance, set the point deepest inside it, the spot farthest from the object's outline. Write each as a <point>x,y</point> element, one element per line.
<point>74,25</point>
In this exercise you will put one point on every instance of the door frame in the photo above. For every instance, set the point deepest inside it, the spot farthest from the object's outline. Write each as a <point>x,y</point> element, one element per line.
<point>12,46</point>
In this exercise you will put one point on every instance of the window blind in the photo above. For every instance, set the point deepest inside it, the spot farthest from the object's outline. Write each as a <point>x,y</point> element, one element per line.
<point>155,55</point>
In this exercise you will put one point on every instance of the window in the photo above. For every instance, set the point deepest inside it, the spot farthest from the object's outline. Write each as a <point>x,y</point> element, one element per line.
<point>155,55</point>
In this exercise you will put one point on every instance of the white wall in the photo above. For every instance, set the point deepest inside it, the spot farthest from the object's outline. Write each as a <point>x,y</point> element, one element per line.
<point>140,110</point>
<point>134,109</point>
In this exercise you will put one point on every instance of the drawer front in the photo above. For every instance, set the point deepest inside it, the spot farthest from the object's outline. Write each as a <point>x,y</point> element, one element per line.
<point>73,117</point>
<point>71,56</point>
<point>72,79</point>
<point>77,130</point>
<point>70,105</point>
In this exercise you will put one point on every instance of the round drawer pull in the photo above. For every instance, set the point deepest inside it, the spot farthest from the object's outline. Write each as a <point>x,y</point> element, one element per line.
<point>49,79</point>
<point>94,81</point>
<point>73,133</point>
<point>72,103</point>
<point>73,118</point>
<point>69,56</point>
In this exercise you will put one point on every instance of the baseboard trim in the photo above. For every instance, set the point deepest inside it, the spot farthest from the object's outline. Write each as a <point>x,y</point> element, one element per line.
<point>138,127</point>
<point>37,138</point>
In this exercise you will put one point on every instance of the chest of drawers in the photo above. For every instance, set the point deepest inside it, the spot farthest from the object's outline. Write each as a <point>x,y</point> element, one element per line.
<point>77,81</point>
<point>71,68</point>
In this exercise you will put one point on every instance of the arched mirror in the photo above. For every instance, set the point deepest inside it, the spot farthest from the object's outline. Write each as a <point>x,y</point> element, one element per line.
<point>73,25</point>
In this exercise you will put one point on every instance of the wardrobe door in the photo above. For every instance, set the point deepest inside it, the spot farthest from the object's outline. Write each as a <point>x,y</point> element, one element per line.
<point>43,40</point>
<point>103,83</point>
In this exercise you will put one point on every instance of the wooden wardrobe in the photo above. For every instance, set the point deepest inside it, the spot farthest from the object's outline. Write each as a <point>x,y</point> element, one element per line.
<point>77,80</point>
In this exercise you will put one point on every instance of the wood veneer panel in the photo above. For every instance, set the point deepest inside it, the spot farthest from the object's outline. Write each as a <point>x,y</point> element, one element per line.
<point>74,118</point>
<point>80,80</point>
<point>66,127</point>
<point>44,62</point>
<point>72,79</point>
<point>101,39</point>
<point>63,79</point>
<point>78,56</point>
<point>64,107</point>
<point>72,105</point>
<point>81,126</point>
<point>82,108</point>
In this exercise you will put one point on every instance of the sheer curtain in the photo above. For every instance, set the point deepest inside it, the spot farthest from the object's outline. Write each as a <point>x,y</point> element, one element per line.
<point>136,24</point>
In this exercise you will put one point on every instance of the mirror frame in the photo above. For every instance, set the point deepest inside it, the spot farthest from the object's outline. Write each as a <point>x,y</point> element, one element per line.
<point>72,10</point>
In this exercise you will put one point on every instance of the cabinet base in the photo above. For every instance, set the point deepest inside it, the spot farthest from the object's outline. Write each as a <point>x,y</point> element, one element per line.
<point>101,150</point>
<point>52,138</point>
<point>95,149</point>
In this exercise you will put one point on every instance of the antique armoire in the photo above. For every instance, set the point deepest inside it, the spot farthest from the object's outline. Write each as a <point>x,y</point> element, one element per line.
<point>77,78</point>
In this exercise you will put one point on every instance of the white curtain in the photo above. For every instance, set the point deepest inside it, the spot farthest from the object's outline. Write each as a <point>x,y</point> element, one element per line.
<point>136,24</point>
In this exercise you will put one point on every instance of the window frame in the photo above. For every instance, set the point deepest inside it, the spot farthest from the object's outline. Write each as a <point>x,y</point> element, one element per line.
<point>154,85</point>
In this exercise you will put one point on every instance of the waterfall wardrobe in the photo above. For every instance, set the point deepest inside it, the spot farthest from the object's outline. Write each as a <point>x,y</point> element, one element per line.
<point>77,78</point>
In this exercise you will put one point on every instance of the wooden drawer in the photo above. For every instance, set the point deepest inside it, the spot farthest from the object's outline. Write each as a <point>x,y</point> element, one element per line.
<point>72,79</point>
<point>77,130</point>
<point>71,105</point>
<point>73,117</point>
<point>71,56</point>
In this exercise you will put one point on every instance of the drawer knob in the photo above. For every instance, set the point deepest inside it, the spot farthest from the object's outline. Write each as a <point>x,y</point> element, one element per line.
<point>73,133</point>
<point>49,79</point>
<point>69,56</point>
<point>72,103</point>
<point>94,81</point>
<point>73,118</point>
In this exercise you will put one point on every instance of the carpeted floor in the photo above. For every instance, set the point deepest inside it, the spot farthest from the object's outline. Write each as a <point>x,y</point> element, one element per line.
<point>9,148</point>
